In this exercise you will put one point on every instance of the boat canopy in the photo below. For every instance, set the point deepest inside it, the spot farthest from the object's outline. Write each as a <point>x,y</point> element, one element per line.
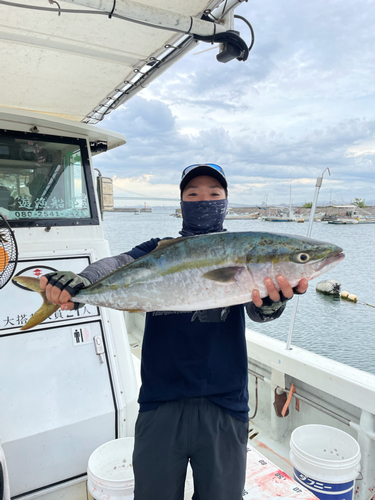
<point>74,60</point>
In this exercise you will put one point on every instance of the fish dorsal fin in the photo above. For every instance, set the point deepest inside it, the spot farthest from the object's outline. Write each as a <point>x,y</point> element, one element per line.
<point>166,243</point>
<point>224,274</point>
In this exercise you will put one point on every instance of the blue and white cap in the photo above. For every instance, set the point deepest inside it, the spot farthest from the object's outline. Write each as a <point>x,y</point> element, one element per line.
<point>198,169</point>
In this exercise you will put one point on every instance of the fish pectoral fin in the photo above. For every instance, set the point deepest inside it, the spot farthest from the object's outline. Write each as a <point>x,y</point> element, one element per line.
<point>224,274</point>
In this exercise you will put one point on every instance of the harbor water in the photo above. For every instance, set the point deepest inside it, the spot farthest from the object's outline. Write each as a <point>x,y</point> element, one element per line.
<point>331,327</point>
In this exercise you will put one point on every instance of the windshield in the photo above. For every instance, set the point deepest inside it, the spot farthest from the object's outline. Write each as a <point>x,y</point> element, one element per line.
<point>44,178</point>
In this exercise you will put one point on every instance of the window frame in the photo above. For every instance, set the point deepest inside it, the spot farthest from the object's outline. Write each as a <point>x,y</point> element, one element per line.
<point>88,176</point>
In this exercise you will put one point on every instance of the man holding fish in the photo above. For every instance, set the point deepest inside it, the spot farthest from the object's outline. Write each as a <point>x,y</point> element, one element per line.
<point>194,396</point>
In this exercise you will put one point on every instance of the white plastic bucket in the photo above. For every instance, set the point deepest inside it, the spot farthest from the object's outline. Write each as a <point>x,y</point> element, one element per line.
<point>326,461</point>
<point>110,471</point>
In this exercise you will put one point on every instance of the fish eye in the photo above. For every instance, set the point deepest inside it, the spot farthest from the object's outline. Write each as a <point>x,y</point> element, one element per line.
<point>303,257</point>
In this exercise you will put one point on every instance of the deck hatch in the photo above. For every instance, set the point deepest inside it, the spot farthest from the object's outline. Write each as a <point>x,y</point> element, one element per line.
<point>64,407</point>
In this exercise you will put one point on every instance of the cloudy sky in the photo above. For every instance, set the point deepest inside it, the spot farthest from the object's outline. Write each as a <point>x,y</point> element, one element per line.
<point>303,101</point>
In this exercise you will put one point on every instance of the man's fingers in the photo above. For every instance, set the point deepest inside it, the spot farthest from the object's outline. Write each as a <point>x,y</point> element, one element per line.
<point>64,297</point>
<point>303,285</point>
<point>256,298</point>
<point>54,293</point>
<point>272,292</point>
<point>286,289</point>
<point>43,283</point>
<point>49,292</point>
<point>57,296</point>
<point>68,306</point>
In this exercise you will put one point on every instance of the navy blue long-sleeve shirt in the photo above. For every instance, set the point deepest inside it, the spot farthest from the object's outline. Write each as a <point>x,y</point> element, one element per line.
<point>191,354</point>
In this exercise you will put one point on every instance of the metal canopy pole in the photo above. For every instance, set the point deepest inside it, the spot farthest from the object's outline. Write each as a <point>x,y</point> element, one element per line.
<point>153,16</point>
<point>318,185</point>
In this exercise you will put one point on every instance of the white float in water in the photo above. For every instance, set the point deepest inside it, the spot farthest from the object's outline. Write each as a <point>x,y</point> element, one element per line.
<point>330,287</point>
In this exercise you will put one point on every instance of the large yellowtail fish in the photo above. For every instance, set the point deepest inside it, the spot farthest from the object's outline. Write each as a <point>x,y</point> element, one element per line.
<point>202,272</point>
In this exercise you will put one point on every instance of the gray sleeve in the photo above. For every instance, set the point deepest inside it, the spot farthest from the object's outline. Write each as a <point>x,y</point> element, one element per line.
<point>100,268</point>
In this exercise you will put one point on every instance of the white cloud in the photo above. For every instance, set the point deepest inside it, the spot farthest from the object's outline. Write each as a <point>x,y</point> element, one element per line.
<point>302,102</point>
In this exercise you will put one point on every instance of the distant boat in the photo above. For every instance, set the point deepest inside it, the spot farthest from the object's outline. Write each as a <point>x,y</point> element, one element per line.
<point>279,219</point>
<point>344,214</point>
<point>291,217</point>
<point>367,220</point>
<point>358,220</point>
<point>234,215</point>
<point>343,221</point>
<point>317,217</point>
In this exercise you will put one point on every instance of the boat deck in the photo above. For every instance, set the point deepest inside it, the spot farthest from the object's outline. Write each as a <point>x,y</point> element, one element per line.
<point>264,481</point>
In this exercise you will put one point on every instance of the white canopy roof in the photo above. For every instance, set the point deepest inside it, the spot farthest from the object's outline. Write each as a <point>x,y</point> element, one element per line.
<point>78,65</point>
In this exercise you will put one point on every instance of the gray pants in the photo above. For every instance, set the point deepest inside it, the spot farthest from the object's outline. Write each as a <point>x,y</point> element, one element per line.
<point>189,429</point>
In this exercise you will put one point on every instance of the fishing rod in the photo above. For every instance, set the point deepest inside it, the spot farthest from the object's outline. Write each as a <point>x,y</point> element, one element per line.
<point>318,185</point>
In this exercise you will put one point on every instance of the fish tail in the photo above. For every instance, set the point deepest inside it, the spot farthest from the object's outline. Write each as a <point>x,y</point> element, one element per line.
<point>45,310</point>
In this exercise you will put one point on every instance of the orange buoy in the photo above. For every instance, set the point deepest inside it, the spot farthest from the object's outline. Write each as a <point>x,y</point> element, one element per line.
<point>4,259</point>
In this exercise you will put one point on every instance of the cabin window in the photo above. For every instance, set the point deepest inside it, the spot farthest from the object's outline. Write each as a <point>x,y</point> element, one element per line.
<point>44,180</point>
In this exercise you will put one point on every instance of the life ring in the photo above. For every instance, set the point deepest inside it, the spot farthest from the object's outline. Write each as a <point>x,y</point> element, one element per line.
<point>4,259</point>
